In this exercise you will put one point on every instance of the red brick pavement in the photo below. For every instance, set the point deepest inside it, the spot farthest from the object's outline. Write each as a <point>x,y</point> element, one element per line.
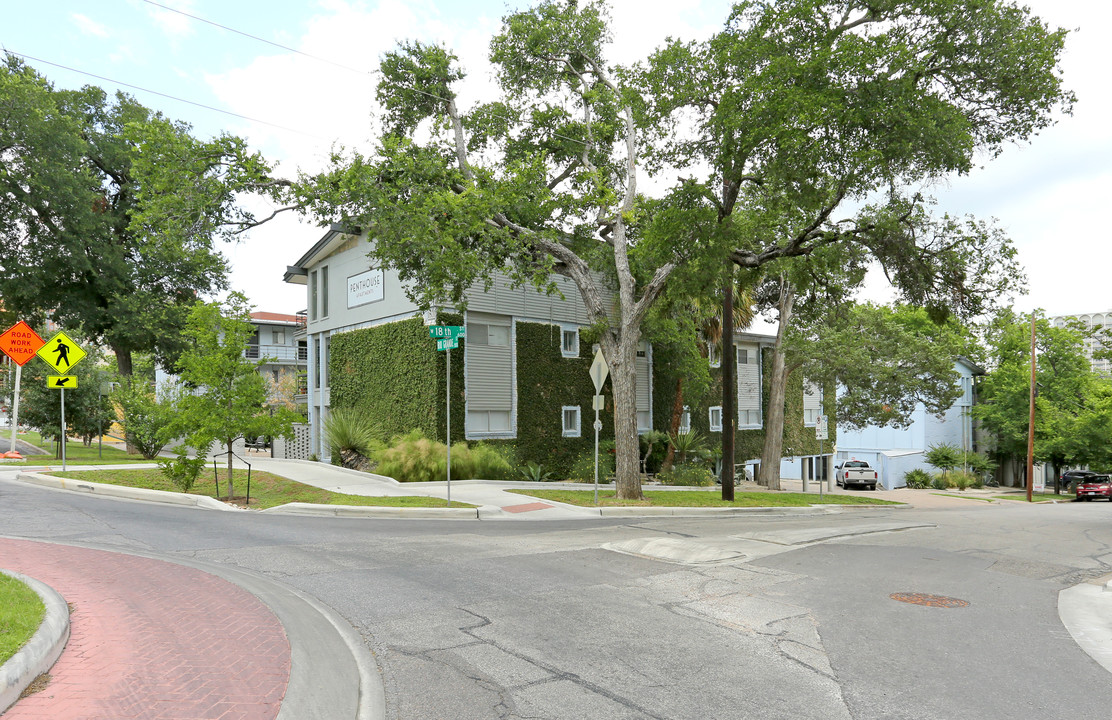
<point>152,640</point>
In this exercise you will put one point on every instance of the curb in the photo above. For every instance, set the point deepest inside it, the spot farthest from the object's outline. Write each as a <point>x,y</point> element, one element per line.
<point>42,650</point>
<point>371,511</point>
<point>1086,611</point>
<point>118,491</point>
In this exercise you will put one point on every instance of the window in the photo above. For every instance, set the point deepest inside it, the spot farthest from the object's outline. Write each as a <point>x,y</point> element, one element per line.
<point>313,295</point>
<point>488,421</point>
<point>278,337</point>
<point>716,418</point>
<point>569,341</point>
<point>685,420</point>
<point>644,421</point>
<point>742,356</point>
<point>571,420</point>
<point>324,292</point>
<point>488,335</point>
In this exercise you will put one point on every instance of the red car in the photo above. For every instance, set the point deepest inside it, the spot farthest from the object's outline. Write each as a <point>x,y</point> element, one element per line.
<point>1097,486</point>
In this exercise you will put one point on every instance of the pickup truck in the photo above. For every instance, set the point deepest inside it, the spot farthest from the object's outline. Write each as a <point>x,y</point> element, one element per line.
<point>855,472</point>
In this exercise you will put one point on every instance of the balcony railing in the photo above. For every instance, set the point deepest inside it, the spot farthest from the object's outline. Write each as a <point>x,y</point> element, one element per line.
<point>277,353</point>
<point>302,327</point>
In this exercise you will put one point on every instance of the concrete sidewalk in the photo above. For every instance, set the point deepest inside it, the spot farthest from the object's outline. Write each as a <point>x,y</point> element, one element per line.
<point>153,639</point>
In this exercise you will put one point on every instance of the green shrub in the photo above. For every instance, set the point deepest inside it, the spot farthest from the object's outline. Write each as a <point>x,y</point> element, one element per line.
<point>917,479</point>
<point>944,457</point>
<point>414,458</point>
<point>183,470</point>
<point>583,467</point>
<point>690,474</point>
<point>148,422</point>
<point>940,482</point>
<point>962,480</point>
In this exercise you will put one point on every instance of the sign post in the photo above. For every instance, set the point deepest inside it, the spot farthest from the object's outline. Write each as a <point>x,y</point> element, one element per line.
<point>599,371</point>
<point>447,338</point>
<point>20,343</point>
<point>820,433</point>
<point>62,354</point>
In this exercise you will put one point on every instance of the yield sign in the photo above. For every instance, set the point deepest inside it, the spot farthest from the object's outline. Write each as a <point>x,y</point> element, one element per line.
<point>20,343</point>
<point>599,371</point>
<point>61,353</point>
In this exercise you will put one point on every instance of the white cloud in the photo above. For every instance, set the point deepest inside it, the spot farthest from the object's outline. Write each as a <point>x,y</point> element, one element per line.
<point>89,26</point>
<point>173,24</point>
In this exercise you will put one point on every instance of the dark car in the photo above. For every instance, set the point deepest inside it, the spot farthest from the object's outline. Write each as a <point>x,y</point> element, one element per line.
<point>1095,486</point>
<point>1072,476</point>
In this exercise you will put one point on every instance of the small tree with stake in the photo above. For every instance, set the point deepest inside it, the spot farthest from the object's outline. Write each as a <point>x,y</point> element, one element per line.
<point>229,396</point>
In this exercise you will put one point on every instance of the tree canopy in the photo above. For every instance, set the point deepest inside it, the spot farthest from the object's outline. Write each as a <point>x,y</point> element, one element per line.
<point>797,110</point>
<point>109,211</point>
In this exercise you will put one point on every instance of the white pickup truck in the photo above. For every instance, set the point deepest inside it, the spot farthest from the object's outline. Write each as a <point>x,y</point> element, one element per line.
<point>855,472</point>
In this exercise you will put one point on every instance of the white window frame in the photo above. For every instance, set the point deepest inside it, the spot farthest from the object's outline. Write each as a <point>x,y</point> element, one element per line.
<point>571,432</point>
<point>278,337</point>
<point>711,412</point>
<point>685,420</point>
<point>567,331</point>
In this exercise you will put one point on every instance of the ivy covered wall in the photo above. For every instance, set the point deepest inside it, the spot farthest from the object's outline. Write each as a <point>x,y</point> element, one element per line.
<point>546,382</point>
<point>395,372</point>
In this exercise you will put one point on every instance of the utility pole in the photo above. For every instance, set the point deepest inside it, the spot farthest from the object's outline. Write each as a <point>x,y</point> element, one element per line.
<point>1031,420</point>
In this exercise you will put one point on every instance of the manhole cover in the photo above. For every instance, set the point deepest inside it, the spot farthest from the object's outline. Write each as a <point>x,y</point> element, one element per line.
<point>929,600</point>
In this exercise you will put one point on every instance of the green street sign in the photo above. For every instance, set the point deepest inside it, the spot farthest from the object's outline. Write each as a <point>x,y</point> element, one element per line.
<point>447,331</point>
<point>447,343</point>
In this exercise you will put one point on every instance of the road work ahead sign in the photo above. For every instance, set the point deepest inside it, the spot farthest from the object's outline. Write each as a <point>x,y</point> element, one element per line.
<point>61,353</point>
<point>20,343</point>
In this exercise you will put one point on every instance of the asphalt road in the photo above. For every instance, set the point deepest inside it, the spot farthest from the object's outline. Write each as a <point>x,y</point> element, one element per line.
<point>528,619</point>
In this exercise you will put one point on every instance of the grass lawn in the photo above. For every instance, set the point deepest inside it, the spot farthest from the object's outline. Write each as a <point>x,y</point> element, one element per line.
<point>267,490</point>
<point>1035,497</point>
<point>76,454</point>
<point>21,613</point>
<point>699,498</point>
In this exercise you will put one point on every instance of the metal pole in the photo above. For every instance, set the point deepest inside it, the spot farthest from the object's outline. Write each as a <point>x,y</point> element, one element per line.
<point>1031,421</point>
<point>63,391</point>
<point>15,404</point>
<point>822,461</point>
<point>596,426</point>
<point>100,419</point>
<point>448,419</point>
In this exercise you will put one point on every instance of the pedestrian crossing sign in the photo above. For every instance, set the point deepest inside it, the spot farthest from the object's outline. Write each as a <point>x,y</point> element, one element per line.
<point>62,382</point>
<point>61,353</point>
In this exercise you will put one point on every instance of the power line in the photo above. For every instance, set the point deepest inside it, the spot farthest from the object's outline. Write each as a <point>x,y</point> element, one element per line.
<point>256,37</point>
<point>165,95</point>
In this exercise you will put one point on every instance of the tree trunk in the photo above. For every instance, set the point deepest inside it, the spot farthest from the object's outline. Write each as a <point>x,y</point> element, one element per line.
<point>674,427</point>
<point>621,357</point>
<point>124,367</point>
<point>774,425</point>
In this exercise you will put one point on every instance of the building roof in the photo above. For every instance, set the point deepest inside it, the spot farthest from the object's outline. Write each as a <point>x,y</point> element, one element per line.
<point>299,273</point>
<point>270,317</point>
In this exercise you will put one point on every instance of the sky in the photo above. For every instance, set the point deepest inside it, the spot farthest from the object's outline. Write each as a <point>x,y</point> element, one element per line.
<point>304,84</point>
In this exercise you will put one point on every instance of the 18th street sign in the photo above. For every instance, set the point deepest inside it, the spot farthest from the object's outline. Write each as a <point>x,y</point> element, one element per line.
<point>447,331</point>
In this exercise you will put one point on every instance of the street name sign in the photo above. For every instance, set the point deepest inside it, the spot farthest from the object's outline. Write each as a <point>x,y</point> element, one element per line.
<point>62,382</point>
<point>20,343</point>
<point>61,353</point>
<point>447,331</point>
<point>447,343</point>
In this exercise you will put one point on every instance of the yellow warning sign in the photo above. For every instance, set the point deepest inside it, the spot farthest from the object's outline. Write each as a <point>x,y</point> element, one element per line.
<point>61,353</point>
<point>62,382</point>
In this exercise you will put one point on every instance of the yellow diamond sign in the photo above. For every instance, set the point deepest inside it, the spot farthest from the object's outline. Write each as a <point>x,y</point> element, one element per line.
<point>61,353</point>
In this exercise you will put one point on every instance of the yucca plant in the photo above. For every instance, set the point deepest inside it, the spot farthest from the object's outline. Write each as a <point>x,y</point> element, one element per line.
<point>534,472</point>
<point>689,443</point>
<point>353,435</point>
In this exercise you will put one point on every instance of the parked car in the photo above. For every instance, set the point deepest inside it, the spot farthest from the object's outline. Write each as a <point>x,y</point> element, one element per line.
<point>1096,486</point>
<point>1071,476</point>
<point>856,472</point>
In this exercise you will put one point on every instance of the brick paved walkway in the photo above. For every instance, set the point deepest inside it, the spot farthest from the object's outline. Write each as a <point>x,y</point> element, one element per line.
<point>152,640</point>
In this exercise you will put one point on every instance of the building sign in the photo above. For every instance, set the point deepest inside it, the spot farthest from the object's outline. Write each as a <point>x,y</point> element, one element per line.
<point>366,287</point>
